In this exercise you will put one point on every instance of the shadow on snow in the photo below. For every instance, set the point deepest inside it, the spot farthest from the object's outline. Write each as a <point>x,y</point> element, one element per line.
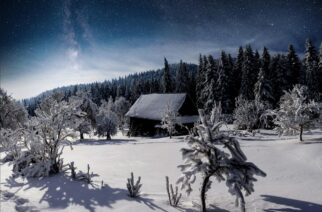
<point>60,192</point>
<point>291,204</point>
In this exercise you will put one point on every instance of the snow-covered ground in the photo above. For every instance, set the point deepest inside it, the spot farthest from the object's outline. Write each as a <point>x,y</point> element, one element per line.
<point>293,182</point>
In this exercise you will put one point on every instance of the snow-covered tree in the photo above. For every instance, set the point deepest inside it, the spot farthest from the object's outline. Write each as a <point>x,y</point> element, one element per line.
<point>169,120</point>
<point>264,86</point>
<point>121,106</point>
<point>106,120</point>
<point>12,114</point>
<point>209,93</point>
<point>212,153</point>
<point>45,136</point>
<point>311,69</point>
<point>320,70</point>
<point>89,108</point>
<point>295,113</point>
<point>200,81</point>
<point>247,114</point>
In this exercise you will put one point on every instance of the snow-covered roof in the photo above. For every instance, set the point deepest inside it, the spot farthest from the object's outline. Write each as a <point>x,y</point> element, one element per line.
<point>153,106</point>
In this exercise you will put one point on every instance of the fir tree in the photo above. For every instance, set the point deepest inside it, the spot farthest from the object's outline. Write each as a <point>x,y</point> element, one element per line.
<point>199,82</point>
<point>263,87</point>
<point>208,93</point>
<point>311,70</point>
<point>320,70</point>
<point>248,74</point>
<point>223,85</point>
<point>182,78</point>
<point>294,66</point>
<point>279,72</point>
<point>237,72</point>
<point>166,79</point>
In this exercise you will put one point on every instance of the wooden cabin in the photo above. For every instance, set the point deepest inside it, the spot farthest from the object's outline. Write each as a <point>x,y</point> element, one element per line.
<point>146,113</point>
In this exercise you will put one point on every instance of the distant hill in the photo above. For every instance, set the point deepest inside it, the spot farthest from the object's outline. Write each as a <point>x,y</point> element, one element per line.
<point>130,86</point>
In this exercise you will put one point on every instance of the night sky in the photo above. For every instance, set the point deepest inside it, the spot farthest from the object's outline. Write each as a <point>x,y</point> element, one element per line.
<point>46,44</point>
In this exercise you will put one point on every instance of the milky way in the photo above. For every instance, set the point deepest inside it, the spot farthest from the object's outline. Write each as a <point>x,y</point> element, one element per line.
<point>45,44</point>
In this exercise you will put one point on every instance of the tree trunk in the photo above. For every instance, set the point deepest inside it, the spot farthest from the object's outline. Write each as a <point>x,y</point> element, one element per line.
<point>108,137</point>
<point>203,193</point>
<point>301,133</point>
<point>81,136</point>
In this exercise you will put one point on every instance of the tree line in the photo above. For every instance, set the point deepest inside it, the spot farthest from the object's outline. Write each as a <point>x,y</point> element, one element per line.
<point>250,75</point>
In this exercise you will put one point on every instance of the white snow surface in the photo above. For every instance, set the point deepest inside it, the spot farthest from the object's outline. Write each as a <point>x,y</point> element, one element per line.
<point>293,182</point>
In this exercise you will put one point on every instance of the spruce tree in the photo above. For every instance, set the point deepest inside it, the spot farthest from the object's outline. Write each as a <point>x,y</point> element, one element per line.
<point>182,78</point>
<point>311,70</point>
<point>294,66</point>
<point>200,82</point>
<point>264,87</point>
<point>248,74</point>
<point>320,70</point>
<point>208,93</point>
<point>237,72</point>
<point>166,79</point>
<point>281,83</point>
<point>223,85</point>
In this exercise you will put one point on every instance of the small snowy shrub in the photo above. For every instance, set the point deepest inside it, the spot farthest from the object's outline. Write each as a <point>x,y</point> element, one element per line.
<point>247,114</point>
<point>169,120</point>
<point>214,154</point>
<point>133,188</point>
<point>86,176</point>
<point>295,113</point>
<point>174,196</point>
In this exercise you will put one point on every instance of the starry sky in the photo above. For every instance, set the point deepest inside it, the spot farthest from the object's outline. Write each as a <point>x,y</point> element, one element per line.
<point>46,44</point>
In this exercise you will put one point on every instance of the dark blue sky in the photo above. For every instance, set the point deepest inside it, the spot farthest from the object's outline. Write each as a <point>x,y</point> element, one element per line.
<point>45,44</point>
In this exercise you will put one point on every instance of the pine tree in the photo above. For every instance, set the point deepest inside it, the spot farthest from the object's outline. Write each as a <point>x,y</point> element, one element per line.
<point>294,66</point>
<point>166,79</point>
<point>248,74</point>
<point>311,70</point>
<point>182,78</point>
<point>215,155</point>
<point>264,87</point>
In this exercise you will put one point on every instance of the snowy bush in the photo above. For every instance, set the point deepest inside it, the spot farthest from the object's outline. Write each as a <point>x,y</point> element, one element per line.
<point>247,114</point>
<point>10,143</point>
<point>169,120</point>
<point>12,114</point>
<point>173,195</point>
<point>295,113</point>
<point>106,120</point>
<point>214,154</point>
<point>86,176</point>
<point>133,188</point>
<point>46,136</point>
